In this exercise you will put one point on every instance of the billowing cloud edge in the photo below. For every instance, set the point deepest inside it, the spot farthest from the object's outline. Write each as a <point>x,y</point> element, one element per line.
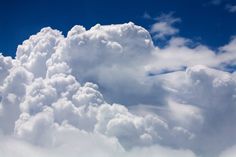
<point>45,94</point>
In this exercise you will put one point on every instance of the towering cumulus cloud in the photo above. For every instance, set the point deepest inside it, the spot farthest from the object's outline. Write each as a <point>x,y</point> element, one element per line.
<point>110,92</point>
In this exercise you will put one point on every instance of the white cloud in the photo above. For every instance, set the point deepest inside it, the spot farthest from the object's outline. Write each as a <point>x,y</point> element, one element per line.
<point>164,26</point>
<point>88,145</point>
<point>35,51</point>
<point>229,152</point>
<point>6,65</point>
<point>112,85</point>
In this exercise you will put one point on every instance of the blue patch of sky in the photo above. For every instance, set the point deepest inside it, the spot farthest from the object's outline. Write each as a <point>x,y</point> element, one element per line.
<point>207,23</point>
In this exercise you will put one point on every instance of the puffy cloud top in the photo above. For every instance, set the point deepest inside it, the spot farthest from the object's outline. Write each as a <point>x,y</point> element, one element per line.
<point>110,89</point>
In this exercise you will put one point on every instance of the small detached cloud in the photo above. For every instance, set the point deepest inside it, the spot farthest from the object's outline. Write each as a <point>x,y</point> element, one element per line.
<point>164,26</point>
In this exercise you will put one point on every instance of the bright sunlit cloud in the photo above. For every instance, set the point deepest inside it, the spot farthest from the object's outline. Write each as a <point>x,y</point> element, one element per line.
<point>109,91</point>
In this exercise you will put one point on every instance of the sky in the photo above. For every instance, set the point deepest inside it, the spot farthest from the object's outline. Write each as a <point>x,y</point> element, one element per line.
<point>122,78</point>
<point>208,22</point>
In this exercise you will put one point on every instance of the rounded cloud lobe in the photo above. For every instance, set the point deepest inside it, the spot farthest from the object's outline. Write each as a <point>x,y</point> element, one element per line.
<point>110,89</point>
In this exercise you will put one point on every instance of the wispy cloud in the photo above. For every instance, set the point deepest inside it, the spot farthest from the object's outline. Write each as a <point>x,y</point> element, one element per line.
<point>164,25</point>
<point>231,8</point>
<point>147,16</point>
<point>216,2</point>
<point>212,3</point>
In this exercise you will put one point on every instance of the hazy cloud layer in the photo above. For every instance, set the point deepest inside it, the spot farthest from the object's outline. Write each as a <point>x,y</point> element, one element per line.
<point>109,91</point>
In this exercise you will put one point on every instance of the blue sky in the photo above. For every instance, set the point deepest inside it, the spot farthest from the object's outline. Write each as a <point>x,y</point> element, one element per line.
<point>207,22</point>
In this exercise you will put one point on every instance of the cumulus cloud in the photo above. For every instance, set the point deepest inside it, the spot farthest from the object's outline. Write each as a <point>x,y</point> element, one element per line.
<point>110,91</point>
